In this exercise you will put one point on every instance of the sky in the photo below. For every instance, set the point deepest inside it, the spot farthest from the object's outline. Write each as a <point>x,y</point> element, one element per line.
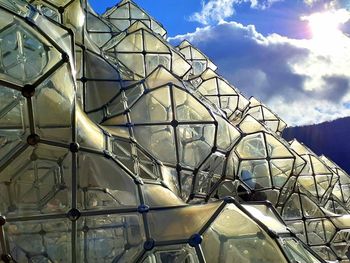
<point>293,55</point>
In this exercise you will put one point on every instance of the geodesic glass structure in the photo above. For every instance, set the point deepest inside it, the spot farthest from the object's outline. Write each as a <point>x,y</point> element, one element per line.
<point>217,90</point>
<point>199,61</point>
<point>265,115</point>
<point>116,146</point>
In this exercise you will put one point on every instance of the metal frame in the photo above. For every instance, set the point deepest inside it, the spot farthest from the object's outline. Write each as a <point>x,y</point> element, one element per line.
<point>131,160</point>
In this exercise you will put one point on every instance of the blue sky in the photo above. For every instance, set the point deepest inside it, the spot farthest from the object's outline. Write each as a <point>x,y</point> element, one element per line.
<point>294,55</point>
<point>281,17</point>
<point>173,14</point>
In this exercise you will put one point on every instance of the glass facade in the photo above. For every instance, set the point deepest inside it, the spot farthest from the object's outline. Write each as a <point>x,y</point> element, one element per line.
<point>116,146</point>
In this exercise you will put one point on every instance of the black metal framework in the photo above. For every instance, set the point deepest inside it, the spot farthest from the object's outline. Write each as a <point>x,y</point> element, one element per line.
<point>341,193</point>
<point>141,51</point>
<point>221,93</point>
<point>325,181</point>
<point>95,156</point>
<point>199,61</point>
<point>127,12</point>
<point>265,115</point>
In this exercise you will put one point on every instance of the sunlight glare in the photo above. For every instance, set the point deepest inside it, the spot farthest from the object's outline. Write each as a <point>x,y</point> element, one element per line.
<point>325,27</point>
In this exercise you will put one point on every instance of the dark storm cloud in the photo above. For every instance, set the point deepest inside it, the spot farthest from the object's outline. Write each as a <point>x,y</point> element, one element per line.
<point>336,87</point>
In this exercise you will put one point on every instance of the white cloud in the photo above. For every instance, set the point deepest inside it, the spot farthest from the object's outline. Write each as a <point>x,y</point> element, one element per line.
<point>301,82</point>
<point>261,4</point>
<point>329,4</point>
<point>216,11</point>
<point>311,2</point>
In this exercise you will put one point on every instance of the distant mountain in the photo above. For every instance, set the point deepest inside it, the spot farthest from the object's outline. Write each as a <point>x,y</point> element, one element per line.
<point>329,138</point>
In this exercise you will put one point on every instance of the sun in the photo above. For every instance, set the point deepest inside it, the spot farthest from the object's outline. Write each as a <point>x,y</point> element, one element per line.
<point>324,24</point>
<point>324,27</point>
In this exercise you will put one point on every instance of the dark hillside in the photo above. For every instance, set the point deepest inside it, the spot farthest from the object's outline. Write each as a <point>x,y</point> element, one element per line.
<point>329,138</point>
